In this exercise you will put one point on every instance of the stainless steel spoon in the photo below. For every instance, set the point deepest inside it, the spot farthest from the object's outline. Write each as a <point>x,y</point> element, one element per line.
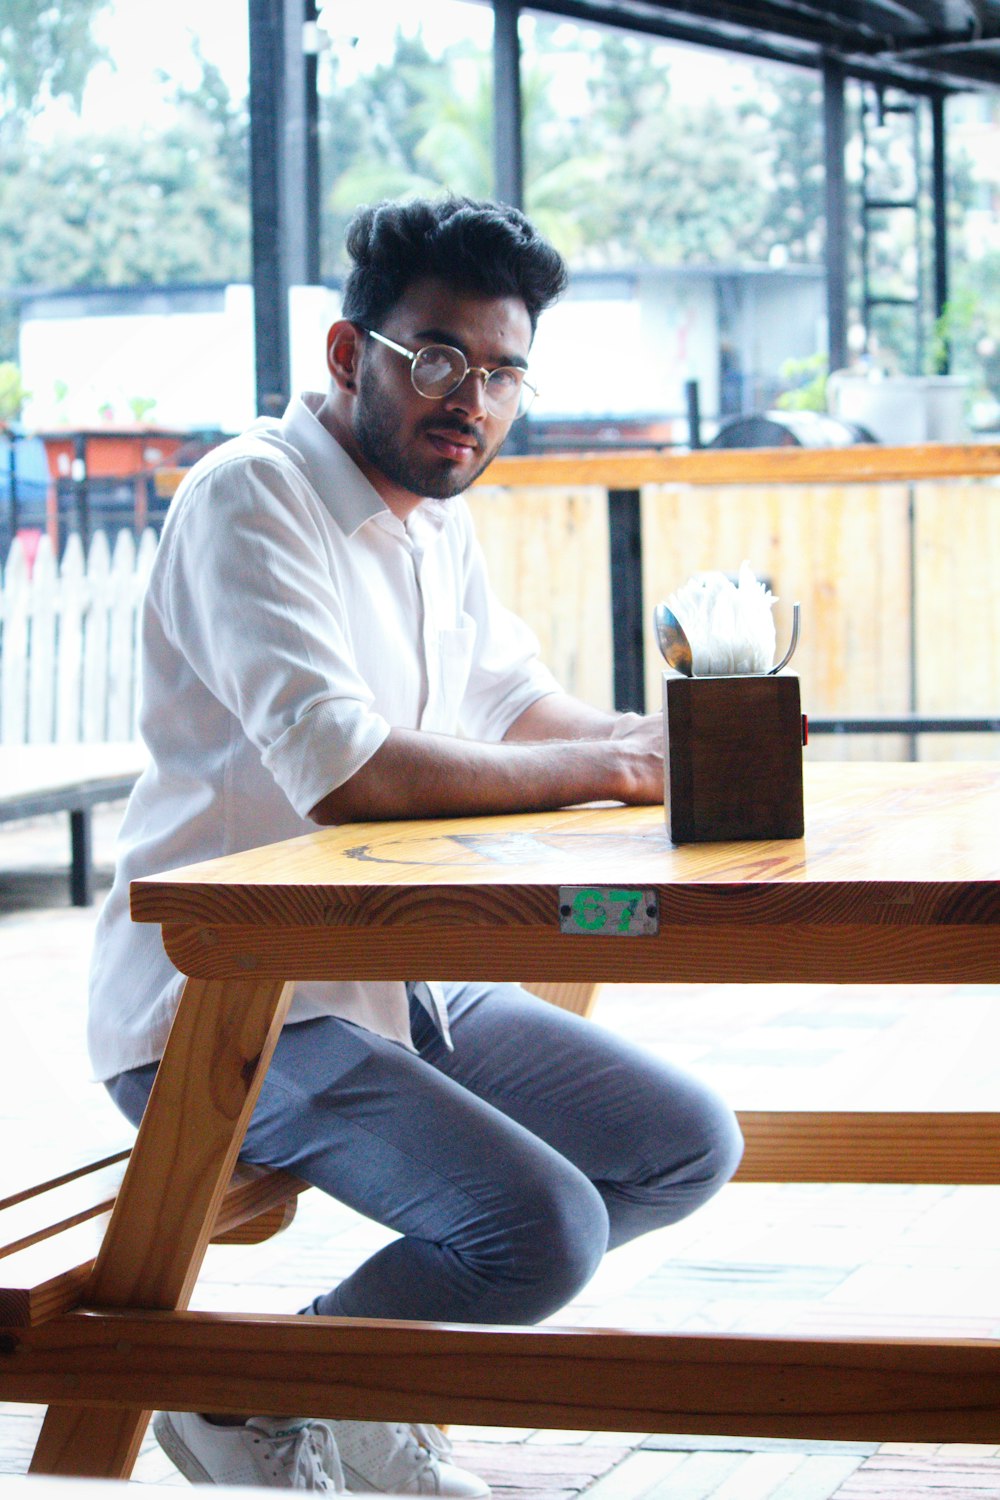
<point>673,643</point>
<point>796,611</point>
<point>675,647</point>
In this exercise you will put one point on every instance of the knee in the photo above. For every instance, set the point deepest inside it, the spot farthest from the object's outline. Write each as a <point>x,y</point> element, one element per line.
<point>561,1238</point>
<point>710,1149</point>
<point>724,1144</point>
<point>687,1161</point>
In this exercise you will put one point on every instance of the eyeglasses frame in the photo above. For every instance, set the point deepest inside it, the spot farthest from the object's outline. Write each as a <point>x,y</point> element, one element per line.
<point>469,370</point>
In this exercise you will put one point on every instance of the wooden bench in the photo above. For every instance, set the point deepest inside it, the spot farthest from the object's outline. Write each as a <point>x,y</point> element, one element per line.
<point>40,779</point>
<point>50,1234</point>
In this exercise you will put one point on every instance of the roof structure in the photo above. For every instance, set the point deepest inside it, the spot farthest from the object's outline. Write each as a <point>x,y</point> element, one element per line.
<point>919,44</point>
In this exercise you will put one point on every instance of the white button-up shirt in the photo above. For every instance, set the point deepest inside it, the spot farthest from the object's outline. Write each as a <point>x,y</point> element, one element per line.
<point>291,620</point>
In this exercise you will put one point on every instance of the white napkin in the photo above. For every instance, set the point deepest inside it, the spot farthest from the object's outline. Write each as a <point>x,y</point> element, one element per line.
<point>730,626</point>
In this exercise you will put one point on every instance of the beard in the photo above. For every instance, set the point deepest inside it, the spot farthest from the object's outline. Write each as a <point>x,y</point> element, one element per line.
<point>385,444</point>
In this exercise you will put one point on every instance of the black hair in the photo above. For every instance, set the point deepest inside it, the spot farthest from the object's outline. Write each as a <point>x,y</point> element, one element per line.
<point>488,249</point>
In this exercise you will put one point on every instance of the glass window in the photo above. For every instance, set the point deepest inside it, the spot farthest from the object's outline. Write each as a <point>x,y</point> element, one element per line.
<point>686,189</point>
<point>406,108</point>
<point>970,331</point>
<point>123,164</point>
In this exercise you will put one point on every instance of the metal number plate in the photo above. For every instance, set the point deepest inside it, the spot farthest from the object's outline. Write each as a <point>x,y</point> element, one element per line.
<point>607,911</point>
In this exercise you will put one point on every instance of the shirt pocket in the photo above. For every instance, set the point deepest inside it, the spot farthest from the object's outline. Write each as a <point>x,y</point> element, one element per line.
<point>454,662</point>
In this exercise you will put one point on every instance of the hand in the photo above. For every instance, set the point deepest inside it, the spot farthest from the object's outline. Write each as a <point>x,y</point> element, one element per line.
<point>640,738</point>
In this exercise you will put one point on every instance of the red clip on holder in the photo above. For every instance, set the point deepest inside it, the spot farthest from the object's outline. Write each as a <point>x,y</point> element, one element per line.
<point>733,761</point>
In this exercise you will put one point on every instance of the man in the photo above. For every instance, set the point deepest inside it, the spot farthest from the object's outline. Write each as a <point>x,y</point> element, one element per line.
<point>321,645</point>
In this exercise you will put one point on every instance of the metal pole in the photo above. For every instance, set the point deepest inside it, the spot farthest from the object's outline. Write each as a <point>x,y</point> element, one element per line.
<point>300,146</point>
<point>940,213</point>
<point>625,539</point>
<point>267,163</point>
<point>508,150</point>
<point>836,212</point>
<point>693,402</point>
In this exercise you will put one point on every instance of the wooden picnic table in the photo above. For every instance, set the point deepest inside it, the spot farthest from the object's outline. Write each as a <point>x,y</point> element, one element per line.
<point>897,880</point>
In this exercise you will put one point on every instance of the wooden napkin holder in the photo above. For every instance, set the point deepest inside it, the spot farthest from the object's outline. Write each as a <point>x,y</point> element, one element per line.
<point>733,758</point>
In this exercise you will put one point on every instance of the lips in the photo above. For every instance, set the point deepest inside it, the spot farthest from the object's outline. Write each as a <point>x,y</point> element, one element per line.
<point>453,443</point>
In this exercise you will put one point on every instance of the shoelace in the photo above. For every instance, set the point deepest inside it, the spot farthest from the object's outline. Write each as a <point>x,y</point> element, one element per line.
<point>309,1456</point>
<point>433,1439</point>
<point>407,1434</point>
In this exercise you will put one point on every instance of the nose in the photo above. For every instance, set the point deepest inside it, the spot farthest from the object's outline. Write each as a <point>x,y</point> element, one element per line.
<point>470,396</point>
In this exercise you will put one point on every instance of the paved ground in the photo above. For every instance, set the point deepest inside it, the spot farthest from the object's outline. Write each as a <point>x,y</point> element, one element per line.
<point>760,1258</point>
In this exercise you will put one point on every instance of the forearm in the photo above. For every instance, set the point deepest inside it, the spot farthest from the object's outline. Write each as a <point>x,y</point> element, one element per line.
<point>558,716</point>
<point>415,774</point>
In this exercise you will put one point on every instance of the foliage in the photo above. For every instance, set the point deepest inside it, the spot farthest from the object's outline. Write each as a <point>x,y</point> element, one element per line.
<point>807,378</point>
<point>628,175</point>
<point>118,210</point>
<point>12,392</point>
<point>128,208</point>
<point>46,51</point>
<point>967,335</point>
<point>141,406</point>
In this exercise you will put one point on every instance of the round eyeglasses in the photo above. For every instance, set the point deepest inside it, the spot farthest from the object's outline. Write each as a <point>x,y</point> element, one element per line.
<point>437,370</point>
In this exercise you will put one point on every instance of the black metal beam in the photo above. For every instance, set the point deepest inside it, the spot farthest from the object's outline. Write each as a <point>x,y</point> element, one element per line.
<point>284,182</point>
<point>939,194</point>
<point>270,285</point>
<point>300,145</point>
<point>697,26</point>
<point>625,546</point>
<point>834,137</point>
<point>905,724</point>
<point>508,150</point>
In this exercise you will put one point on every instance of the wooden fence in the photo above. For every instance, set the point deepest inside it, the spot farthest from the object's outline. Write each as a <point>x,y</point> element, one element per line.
<point>68,640</point>
<point>894,554</point>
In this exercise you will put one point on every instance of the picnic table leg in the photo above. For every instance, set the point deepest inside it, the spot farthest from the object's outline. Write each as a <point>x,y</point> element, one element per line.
<point>207,1084</point>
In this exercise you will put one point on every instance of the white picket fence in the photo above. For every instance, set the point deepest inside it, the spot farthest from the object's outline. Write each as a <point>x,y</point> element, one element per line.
<point>69,639</point>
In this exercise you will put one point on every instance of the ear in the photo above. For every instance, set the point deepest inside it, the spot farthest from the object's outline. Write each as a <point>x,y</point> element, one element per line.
<point>343,348</point>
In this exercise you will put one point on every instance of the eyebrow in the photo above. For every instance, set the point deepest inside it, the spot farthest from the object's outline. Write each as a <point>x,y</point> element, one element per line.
<point>442,336</point>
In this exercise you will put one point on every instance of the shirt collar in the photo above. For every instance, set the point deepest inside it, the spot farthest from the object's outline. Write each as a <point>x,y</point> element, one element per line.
<point>336,478</point>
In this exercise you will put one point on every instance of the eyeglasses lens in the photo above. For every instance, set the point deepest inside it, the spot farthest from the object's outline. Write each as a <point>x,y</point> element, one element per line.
<point>438,370</point>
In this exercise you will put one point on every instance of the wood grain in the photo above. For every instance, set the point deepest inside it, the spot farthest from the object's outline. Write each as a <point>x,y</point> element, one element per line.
<point>896,880</point>
<point>866,463</point>
<point>914,1389</point>
<point>44,1271</point>
<point>207,1083</point>
<point>841,551</point>
<point>578,998</point>
<point>630,469</point>
<point>957,560</point>
<point>846,1146</point>
<point>923,826</point>
<point>548,559</point>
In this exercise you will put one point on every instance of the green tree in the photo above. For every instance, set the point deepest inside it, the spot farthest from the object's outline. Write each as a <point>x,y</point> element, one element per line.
<point>794,213</point>
<point>46,52</point>
<point>125,208</point>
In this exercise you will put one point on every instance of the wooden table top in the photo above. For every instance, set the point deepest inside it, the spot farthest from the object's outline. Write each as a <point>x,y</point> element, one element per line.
<point>899,866</point>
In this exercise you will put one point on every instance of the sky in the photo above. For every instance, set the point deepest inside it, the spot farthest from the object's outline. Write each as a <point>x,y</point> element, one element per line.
<point>146,39</point>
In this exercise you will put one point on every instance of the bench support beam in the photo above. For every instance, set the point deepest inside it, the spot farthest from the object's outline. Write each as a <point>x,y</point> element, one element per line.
<point>853,1389</point>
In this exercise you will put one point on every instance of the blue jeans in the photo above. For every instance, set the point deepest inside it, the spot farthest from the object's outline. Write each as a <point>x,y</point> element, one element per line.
<point>508,1166</point>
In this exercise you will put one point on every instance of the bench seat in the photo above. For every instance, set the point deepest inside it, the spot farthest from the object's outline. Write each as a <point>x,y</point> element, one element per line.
<point>40,779</point>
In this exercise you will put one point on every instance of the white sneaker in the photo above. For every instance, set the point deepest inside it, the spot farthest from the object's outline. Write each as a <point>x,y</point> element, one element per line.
<point>396,1458</point>
<point>289,1452</point>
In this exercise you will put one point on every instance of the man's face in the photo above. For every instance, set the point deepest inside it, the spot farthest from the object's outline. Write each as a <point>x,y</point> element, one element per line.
<point>436,448</point>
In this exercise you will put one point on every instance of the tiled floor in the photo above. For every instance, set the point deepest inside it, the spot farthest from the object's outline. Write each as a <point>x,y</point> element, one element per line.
<point>759,1258</point>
